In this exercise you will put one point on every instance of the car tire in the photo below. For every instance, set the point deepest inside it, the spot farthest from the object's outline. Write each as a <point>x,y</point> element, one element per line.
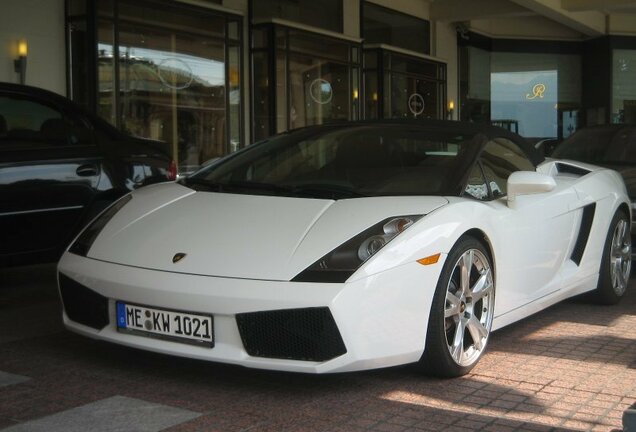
<point>462,311</point>
<point>616,261</point>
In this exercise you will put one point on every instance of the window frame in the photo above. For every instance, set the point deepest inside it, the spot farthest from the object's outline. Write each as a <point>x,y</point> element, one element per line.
<point>480,159</point>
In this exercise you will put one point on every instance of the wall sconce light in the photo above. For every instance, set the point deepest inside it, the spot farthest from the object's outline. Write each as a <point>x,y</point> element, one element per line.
<point>451,108</point>
<point>20,63</point>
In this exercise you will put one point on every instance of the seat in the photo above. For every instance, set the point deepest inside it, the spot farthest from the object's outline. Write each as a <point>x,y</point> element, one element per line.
<point>363,161</point>
<point>54,130</point>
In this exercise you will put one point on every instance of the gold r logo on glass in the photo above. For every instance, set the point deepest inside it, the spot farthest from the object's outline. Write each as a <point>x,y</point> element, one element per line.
<point>537,92</point>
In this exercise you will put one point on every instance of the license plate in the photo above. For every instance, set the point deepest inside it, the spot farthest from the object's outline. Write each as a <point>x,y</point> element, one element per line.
<point>165,324</point>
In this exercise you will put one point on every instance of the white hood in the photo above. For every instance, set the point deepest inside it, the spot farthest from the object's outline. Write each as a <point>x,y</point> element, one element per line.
<point>240,236</point>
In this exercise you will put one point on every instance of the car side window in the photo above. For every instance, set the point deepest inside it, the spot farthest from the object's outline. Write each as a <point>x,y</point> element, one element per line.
<point>29,124</point>
<point>500,158</point>
<point>476,186</point>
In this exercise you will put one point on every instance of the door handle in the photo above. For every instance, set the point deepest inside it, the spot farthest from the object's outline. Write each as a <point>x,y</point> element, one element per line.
<point>88,170</point>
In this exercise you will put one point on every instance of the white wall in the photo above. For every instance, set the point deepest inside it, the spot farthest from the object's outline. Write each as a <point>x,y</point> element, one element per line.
<point>41,23</point>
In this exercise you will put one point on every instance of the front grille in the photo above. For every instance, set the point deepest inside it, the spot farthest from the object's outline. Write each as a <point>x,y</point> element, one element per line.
<point>83,305</point>
<point>298,334</point>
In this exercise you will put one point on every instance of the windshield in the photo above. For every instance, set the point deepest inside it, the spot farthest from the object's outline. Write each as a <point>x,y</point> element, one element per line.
<point>347,162</point>
<point>602,146</point>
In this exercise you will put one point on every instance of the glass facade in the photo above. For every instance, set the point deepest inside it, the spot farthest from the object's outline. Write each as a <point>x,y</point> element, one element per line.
<point>165,71</point>
<point>387,26</point>
<point>623,86</point>
<point>304,78</point>
<point>537,95</point>
<point>325,14</point>
<point>402,86</point>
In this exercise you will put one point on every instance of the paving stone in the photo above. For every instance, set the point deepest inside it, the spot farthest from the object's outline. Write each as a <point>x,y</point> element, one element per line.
<point>569,368</point>
<point>7,379</point>
<point>115,414</point>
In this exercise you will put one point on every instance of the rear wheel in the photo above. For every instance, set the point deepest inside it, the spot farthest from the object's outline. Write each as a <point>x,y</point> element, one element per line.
<point>462,311</point>
<point>616,261</point>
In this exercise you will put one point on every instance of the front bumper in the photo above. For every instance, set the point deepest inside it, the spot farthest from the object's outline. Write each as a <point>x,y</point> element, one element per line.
<point>382,319</point>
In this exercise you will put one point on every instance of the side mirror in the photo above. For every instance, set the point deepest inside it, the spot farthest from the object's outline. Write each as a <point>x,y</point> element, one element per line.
<point>528,183</point>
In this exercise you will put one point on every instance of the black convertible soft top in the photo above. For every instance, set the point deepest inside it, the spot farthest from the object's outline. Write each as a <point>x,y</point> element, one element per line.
<point>359,159</point>
<point>460,127</point>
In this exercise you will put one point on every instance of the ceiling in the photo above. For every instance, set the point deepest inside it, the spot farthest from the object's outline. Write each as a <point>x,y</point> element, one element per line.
<point>569,19</point>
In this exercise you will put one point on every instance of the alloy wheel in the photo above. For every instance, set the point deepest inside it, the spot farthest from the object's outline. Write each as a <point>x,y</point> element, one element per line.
<point>469,307</point>
<point>620,257</point>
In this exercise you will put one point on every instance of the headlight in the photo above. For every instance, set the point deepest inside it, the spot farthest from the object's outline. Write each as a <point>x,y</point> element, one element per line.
<point>83,243</point>
<point>339,264</point>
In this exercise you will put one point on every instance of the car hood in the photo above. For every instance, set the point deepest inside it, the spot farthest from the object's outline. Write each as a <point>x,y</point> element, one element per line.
<point>239,236</point>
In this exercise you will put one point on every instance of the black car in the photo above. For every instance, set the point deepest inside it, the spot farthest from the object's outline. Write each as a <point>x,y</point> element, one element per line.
<point>612,146</point>
<point>59,167</point>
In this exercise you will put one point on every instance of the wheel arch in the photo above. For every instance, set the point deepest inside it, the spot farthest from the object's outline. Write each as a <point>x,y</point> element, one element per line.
<point>624,207</point>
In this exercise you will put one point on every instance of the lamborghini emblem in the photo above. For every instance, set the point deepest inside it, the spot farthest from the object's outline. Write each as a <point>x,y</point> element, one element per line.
<point>178,257</point>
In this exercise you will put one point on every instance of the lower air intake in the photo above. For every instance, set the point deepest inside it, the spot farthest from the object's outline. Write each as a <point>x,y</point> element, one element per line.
<point>307,334</point>
<point>82,304</point>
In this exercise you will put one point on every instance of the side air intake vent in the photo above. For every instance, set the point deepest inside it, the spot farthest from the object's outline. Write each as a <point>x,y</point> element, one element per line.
<point>584,232</point>
<point>564,168</point>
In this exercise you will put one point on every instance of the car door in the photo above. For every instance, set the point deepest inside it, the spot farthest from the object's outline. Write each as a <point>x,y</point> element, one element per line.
<point>49,169</point>
<point>534,238</point>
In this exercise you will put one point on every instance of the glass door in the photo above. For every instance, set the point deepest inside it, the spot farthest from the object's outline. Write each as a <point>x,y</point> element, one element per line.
<point>166,71</point>
<point>301,79</point>
<point>402,86</point>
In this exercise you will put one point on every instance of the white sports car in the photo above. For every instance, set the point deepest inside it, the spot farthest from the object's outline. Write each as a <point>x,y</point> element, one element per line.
<point>348,247</point>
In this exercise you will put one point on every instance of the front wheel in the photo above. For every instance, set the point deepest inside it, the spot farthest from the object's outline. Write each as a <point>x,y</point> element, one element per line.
<point>616,261</point>
<point>462,311</point>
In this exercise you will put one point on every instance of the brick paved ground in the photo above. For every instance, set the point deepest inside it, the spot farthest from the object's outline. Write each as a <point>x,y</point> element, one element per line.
<point>572,367</point>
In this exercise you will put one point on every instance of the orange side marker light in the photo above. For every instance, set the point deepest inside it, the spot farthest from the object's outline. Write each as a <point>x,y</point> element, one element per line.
<point>429,259</point>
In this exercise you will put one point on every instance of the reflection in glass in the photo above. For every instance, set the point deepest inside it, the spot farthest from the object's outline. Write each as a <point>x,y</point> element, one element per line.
<point>413,98</point>
<point>535,94</point>
<point>234,65</point>
<point>173,89</point>
<point>314,81</point>
<point>401,86</point>
<point>260,95</point>
<point>319,91</point>
<point>624,86</point>
<point>106,73</point>
<point>526,102</point>
<point>170,72</point>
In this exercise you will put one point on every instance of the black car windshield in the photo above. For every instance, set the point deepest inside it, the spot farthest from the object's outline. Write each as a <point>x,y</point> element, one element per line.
<point>346,162</point>
<point>600,146</point>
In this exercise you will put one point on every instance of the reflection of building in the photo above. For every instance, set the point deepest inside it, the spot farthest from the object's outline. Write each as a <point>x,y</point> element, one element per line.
<point>147,106</point>
<point>210,76</point>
